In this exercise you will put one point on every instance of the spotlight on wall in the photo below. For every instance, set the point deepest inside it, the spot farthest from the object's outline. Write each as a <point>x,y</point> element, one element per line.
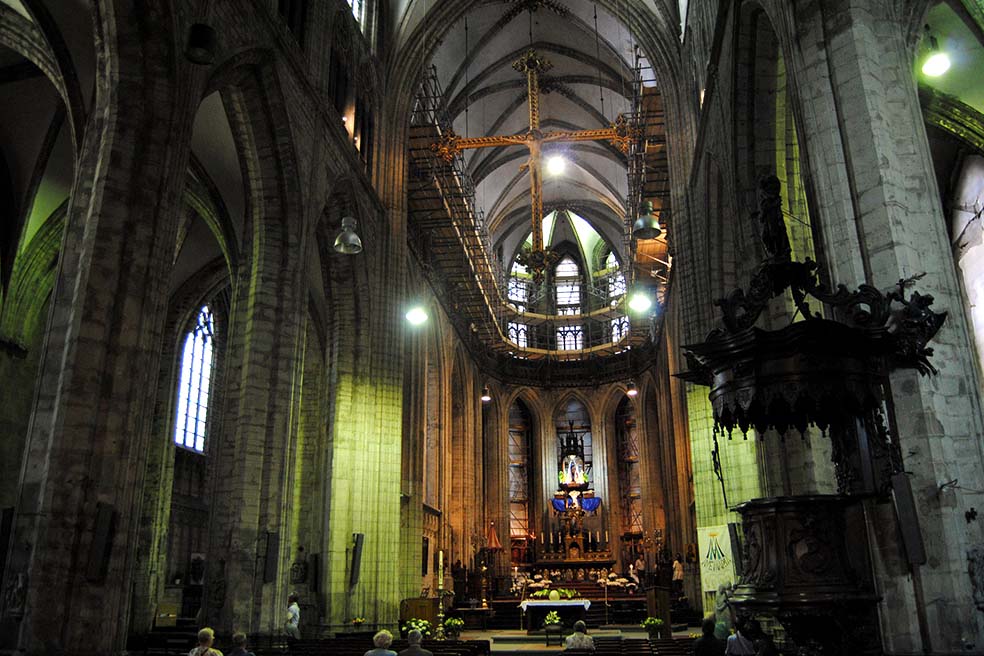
<point>647,225</point>
<point>556,165</point>
<point>640,301</point>
<point>348,242</point>
<point>486,394</point>
<point>630,389</point>
<point>201,44</point>
<point>417,315</point>
<point>937,62</point>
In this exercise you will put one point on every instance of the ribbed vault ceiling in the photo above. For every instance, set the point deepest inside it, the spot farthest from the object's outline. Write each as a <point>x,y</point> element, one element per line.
<point>589,84</point>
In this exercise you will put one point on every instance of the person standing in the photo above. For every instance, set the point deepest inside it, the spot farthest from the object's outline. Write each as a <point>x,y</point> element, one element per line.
<point>640,567</point>
<point>292,627</point>
<point>678,575</point>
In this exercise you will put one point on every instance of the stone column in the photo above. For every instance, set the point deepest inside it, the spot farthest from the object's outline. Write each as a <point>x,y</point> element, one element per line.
<point>67,583</point>
<point>246,586</point>
<point>882,220</point>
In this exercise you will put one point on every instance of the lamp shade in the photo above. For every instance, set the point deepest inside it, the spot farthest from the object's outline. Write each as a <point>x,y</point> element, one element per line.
<point>348,242</point>
<point>647,225</point>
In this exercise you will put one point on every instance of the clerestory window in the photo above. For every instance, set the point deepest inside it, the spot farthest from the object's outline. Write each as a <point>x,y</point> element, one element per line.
<point>194,385</point>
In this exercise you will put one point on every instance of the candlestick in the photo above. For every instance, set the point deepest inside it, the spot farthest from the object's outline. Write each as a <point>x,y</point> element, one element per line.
<point>440,569</point>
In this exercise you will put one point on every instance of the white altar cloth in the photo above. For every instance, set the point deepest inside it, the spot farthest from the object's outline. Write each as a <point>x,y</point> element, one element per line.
<point>561,602</point>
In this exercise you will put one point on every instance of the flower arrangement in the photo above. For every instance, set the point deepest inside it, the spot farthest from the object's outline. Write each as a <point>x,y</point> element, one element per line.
<point>652,624</point>
<point>421,625</point>
<point>358,621</point>
<point>454,625</point>
<point>553,617</point>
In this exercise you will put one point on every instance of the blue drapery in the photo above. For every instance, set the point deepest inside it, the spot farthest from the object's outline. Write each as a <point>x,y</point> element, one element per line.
<point>590,504</point>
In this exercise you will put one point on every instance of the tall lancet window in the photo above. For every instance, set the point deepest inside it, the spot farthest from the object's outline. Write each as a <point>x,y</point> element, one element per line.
<point>519,477</point>
<point>197,358</point>
<point>629,476</point>
<point>567,279</point>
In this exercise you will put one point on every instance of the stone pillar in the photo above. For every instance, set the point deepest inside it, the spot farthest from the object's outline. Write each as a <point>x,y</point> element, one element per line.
<point>68,577</point>
<point>247,581</point>
<point>882,220</point>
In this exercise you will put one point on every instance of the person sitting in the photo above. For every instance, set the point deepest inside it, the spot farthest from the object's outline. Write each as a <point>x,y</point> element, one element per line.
<point>205,639</point>
<point>739,644</point>
<point>382,640</point>
<point>579,639</point>
<point>707,644</point>
<point>414,638</point>
<point>239,645</point>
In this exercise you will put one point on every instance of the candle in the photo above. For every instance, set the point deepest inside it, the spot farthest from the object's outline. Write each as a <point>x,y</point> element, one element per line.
<point>440,569</point>
<point>606,535</point>
<point>597,536</point>
<point>541,538</point>
<point>551,537</point>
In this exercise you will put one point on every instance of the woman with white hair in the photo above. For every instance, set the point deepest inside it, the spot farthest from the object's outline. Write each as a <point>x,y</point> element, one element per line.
<point>205,639</point>
<point>382,640</point>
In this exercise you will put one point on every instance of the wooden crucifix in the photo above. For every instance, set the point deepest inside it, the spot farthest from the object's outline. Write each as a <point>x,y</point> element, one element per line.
<point>619,133</point>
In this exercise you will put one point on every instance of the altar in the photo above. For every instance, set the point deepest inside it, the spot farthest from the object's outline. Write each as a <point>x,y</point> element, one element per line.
<point>570,610</point>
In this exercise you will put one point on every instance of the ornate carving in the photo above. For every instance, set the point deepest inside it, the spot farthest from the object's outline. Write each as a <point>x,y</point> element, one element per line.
<point>817,372</point>
<point>796,568</point>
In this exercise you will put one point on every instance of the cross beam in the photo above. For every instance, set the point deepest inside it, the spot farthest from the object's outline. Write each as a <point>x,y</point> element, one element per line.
<point>620,134</point>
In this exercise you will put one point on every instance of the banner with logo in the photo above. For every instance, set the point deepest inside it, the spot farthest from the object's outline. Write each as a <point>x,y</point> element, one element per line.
<point>717,563</point>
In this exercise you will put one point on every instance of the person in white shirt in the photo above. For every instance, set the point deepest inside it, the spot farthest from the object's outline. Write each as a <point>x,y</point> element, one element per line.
<point>292,627</point>
<point>678,575</point>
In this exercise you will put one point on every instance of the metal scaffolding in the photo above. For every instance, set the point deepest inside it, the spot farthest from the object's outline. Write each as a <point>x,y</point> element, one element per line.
<point>527,337</point>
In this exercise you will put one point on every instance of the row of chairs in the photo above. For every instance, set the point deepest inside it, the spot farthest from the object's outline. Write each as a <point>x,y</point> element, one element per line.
<point>605,646</point>
<point>359,646</point>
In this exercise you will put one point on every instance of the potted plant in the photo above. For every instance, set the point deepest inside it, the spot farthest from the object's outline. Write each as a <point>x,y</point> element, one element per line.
<point>552,628</point>
<point>453,627</point>
<point>653,625</point>
<point>421,625</point>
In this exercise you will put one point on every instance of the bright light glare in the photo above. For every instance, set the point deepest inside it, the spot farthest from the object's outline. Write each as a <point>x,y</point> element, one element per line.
<point>556,165</point>
<point>640,302</point>
<point>416,315</point>
<point>937,64</point>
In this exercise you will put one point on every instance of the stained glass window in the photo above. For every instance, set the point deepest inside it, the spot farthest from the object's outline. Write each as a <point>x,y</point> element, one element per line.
<point>197,358</point>
<point>629,473</point>
<point>519,470</point>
